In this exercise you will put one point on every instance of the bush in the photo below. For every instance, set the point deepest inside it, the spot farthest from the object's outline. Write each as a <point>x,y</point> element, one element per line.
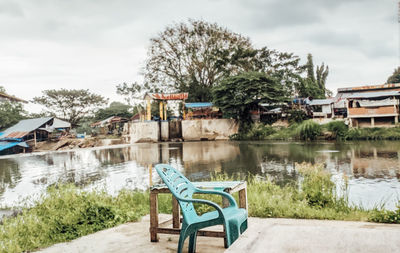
<point>386,216</point>
<point>308,130</point>
<point>296,116</point>
<point>257,131</point>
<point>338,128</point>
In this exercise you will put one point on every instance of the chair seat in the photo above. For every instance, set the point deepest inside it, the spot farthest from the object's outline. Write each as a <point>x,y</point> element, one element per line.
<point>230,213</point>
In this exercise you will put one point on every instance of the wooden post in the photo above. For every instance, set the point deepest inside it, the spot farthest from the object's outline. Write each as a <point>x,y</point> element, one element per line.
<point>372,121</point>
<point>153,217</point>
<point>148,113</point>
<point>183,109</point>
<point>243,198</point>
<point>34,137</point>
<point>165,111</point>
<point>175,213</point>
<point>161,107</point>
<point>151,175</point>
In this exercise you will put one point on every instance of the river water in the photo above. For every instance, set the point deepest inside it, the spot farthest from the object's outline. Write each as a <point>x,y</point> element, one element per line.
<point>372,168</point>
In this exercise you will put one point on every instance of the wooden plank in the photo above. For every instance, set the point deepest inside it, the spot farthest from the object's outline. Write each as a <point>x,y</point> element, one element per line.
<point>165,223</point>
<point>153,217</point>
<point>175,213</point>
<point>243,198</point>
<point>177,231</point>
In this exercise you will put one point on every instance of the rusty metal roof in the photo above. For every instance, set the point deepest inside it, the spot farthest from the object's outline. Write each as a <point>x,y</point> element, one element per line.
<point>375,94</point>
<point>370,87</point>
<point>24,127</point>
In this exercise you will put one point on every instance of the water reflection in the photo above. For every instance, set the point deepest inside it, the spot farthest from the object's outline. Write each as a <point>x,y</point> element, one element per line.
<point>373,168</point>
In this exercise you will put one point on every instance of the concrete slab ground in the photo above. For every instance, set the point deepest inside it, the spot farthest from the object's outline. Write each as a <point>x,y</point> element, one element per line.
<point>263,235</point>
<point>292,235</point>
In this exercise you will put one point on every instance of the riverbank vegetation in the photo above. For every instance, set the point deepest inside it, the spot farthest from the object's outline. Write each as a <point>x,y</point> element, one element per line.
<point>66,212</point>
<point>310,130</point>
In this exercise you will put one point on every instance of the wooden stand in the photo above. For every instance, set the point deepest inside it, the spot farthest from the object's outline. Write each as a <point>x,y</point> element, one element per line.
<point>157,228</point>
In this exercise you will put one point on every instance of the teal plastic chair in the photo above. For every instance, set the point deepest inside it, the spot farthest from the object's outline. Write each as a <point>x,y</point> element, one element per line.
<point>233,219</point>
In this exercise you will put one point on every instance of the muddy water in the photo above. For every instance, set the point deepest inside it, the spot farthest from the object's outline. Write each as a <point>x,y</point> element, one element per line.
<point>372,168</point>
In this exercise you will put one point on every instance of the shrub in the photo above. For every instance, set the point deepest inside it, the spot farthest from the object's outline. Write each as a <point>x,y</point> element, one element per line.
<point>257,131</point>
<point>386,216</point>
<point>308,130</point>
<point>338,128</point>
<point>296,116</point>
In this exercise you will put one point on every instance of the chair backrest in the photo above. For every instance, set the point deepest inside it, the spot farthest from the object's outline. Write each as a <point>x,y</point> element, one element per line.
<point>179,186</point>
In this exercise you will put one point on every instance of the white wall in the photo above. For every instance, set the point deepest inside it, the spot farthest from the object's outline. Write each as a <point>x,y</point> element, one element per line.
<point>141,132</point>
<point>211,129</point>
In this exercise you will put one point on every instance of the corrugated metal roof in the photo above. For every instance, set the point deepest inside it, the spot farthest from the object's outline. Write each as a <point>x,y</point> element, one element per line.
<point>375,94</point>
<point>198,105</point>
<point>370,87</point>
<point>24,127</point>
<point>6,145</point>
<point>58,123</point>
<point>321,101</point>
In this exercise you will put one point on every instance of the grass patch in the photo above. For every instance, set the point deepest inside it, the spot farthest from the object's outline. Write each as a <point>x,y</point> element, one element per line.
<point>309,130</point>
<point>66,212</point>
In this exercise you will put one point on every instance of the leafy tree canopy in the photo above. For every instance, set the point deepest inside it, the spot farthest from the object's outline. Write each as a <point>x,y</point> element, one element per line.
<point>71,105</point>
<point>238,95</point>
<point>395,77</point>
<point>193,57</point>
<point>115,109</point>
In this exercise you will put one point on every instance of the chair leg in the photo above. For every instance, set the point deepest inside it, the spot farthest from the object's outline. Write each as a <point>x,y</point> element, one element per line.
<point>192,242</point>
<point>182,238</point>
<point>243,227</point>
<point>227,239</point>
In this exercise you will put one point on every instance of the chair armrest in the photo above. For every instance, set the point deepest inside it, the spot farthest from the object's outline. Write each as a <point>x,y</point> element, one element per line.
<point>203,201</point>
<point>231,200</point>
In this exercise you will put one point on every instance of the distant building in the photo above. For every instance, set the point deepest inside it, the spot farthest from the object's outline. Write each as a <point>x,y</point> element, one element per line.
<point>22,136</point>
<point>111,125</point>
<point>322,108</point>
<point>370,109</point>
<point>340,101</point>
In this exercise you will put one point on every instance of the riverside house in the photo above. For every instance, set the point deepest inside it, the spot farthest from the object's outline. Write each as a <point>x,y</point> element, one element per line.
<point>370,106</point>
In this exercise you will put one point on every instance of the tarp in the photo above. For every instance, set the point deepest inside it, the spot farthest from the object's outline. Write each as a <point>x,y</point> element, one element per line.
<point>198,105</point>
<point>375,103</point>
<point>6,145</point>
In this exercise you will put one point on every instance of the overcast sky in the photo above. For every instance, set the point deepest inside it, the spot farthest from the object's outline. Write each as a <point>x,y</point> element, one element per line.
<point>97,44</point>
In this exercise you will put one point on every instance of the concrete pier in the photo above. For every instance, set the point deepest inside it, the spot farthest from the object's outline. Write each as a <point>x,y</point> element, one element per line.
<point>263,235</point>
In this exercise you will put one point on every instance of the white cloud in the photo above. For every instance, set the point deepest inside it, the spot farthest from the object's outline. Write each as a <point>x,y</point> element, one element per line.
<point>51,44</point>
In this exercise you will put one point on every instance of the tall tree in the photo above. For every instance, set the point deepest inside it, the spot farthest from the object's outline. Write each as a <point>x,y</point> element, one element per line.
<point>71,105</point>
<point>238,95</point>
<point>395,77</point>
<point>284,67</point>
<point>314,83</point>
<point>193,57</point>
